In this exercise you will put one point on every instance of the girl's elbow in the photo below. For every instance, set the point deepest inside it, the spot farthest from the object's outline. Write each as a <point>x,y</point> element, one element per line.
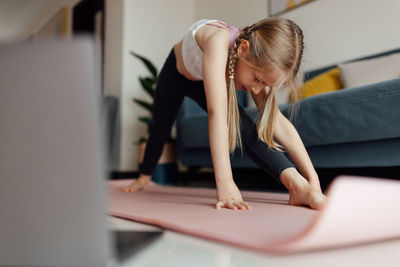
<point>215,113</point>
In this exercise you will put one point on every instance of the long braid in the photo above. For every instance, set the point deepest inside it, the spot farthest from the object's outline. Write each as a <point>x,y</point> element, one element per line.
<point>298,33</point>
<point>275,44</point>
<point>233,111</point>
<point>295,93</point>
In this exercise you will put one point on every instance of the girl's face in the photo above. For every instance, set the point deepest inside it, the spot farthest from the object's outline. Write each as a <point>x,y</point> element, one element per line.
<point>247,77</point>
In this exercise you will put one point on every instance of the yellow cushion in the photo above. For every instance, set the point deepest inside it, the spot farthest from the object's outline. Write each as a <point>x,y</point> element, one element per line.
<point>323,83</point>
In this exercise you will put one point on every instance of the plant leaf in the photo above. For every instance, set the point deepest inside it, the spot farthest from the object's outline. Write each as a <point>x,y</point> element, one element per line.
<point>148,85</point>
<point>146,105</point>
<point>148,64</point>
<point>141,140</point>
<point>146,120</point>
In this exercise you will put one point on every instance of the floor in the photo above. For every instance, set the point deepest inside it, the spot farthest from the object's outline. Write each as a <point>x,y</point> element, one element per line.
<point>175,250</point>
<point>259,180</point>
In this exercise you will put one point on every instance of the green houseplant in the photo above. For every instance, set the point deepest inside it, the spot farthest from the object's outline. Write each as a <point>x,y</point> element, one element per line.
<point>166,170</point>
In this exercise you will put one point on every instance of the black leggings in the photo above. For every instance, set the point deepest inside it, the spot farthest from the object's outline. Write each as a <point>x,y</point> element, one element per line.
<point>172,87</point>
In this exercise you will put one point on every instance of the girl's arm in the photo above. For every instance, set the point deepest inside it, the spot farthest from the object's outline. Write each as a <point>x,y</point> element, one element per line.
<point>287,136</point>
<point>215,50</point>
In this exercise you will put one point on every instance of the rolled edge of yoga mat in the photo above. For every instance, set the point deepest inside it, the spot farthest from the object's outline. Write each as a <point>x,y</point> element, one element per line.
<point>360,210</point>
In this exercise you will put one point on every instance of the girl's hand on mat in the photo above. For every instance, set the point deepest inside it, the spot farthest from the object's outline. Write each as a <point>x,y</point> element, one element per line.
<point>138,184</point>
<point>229,197</point>
<point>233,204</point>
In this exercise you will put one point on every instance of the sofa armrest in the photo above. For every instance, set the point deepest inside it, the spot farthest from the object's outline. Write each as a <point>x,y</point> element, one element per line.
<point>364,113</point>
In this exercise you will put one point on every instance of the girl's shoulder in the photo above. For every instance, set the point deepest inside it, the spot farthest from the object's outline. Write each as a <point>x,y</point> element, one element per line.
<point>213,23</point>
<point>200,38</point>
<point>211,30</point>
<point>200,23</point>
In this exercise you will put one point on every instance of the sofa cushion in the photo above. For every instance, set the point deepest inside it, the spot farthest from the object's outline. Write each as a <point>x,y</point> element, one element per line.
<point>193,130</point>
<point>370,71</point>
<point>356,114</point>
<point>326,82</point>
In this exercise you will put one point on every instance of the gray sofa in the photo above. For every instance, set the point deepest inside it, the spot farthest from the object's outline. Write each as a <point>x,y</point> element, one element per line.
<point>352,128</point>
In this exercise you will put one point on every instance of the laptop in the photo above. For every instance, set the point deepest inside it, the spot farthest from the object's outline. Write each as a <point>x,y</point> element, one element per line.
<point>52,161</point>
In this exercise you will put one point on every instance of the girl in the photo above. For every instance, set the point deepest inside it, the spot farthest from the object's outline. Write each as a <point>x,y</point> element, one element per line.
<point>212,61</point>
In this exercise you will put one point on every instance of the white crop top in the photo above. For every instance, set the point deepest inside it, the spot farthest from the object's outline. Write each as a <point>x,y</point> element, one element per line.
<point>191,52</point>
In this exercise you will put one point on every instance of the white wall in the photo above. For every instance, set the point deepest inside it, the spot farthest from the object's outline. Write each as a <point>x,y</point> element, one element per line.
<point>113,64</point>
<point>239,13</point>
<point>48,10</point>
<point>340,30</point>
<point>150,28</point>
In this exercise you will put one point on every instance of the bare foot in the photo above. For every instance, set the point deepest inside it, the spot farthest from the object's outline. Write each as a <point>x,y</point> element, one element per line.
<point>301,193</point>
<point>138,184</point>
<point>308,196</point>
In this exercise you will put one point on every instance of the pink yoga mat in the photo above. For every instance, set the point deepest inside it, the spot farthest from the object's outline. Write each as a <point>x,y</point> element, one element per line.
<point>359,210</point>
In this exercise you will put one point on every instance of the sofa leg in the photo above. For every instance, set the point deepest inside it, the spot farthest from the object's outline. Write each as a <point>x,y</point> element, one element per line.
<point>192,171</point>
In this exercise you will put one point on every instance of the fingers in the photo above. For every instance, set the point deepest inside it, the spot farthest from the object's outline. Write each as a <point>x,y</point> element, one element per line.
<point>233,205</point>
<point>247,205</point>
<point>134,187</point>
<point>129,189</point>
<point>126,189</point>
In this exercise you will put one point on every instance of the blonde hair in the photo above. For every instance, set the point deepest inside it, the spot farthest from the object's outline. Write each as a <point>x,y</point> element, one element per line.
<point>275,44</point>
